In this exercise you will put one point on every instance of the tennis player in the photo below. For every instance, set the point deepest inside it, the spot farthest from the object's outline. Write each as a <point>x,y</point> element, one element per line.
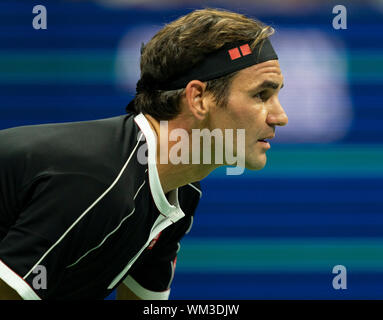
<point>83,213</point>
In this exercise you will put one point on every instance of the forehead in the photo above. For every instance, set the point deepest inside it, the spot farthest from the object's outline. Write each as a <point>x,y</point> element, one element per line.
<point>256,74</point>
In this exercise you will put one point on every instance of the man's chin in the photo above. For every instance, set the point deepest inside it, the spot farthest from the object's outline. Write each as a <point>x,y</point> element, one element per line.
<point>256,165</point>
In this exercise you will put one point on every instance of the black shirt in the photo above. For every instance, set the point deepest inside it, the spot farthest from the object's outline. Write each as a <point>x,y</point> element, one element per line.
<point>78,202</point>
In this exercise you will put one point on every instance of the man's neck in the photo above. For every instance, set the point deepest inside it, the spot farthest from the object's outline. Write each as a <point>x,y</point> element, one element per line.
<point>172,175</point>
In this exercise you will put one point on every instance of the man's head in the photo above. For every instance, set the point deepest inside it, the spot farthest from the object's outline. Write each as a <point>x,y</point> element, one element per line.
<point>184,43</point>
<point>244,99</point>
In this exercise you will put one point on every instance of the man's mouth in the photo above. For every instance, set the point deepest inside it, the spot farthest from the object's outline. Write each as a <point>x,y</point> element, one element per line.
<point>263,142</point>
<point>267,138</point>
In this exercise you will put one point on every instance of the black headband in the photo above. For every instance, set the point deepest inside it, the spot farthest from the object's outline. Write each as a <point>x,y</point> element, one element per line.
<point>228,59</point>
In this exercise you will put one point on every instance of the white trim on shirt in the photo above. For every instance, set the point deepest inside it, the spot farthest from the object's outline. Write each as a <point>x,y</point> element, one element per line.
<point>144,293</point>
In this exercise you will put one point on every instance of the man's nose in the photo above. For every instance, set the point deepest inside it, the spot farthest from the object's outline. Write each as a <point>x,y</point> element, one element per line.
<point>277,115</point>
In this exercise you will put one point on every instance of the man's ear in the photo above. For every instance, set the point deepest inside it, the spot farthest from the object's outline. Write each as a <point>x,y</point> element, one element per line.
<point>195,92</point>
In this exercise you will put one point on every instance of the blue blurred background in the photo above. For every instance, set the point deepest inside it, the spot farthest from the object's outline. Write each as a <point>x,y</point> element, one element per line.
<point>270,234</point>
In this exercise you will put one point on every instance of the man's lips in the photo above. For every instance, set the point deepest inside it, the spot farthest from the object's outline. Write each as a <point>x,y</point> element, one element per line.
<point>267,138</point>
<point>265,143</point>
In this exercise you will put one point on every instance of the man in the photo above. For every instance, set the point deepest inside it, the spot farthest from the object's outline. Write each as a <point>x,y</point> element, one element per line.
<point>87,207</point>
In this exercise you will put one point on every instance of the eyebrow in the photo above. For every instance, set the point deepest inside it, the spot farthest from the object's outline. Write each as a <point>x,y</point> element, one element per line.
<point>267,84</point>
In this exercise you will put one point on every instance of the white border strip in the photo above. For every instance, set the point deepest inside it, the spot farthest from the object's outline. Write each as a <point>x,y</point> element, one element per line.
<point>194,187</point>
<point>143,293</point>
<point>159,197</point>
<point>135,196</point>
<point>160,224</point>
<point>172,273</point>
<point>102,242</point>
<point>190,226</point>
<point>17,283</point>
<point>86,211</point>
<point>109,234</point>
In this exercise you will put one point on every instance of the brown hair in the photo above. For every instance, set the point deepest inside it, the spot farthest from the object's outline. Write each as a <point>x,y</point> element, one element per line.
<point>185,42</point>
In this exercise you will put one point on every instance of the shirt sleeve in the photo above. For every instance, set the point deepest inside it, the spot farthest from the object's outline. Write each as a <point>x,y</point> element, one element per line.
<point>151,276</point>
<point>39,244</point>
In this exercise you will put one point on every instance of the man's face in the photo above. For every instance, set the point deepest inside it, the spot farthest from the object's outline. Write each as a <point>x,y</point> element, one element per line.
<point>253,105</point>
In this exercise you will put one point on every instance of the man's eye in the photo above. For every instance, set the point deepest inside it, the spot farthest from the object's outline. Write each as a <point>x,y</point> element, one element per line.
<point>261,95</point>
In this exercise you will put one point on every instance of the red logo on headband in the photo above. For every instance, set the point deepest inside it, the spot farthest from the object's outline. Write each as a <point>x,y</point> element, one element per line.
<point>235,54</point>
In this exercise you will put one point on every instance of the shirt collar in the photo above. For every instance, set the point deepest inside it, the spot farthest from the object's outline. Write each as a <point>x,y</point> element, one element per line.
<point>172,209</point>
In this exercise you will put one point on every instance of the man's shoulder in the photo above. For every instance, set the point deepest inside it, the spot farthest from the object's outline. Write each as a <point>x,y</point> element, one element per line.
<point>43,135</point>
<point>96,146</point>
